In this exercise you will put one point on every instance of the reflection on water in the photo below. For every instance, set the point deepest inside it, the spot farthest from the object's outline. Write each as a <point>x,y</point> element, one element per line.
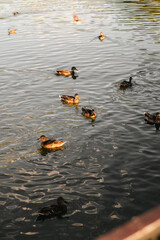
<point>108,170</point>
<point>44,151</point>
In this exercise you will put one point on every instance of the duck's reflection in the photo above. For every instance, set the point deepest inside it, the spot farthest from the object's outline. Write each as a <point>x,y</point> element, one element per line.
<point>44,151</point>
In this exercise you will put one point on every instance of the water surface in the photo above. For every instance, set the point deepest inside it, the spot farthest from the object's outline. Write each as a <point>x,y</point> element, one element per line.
<point>109,169</point>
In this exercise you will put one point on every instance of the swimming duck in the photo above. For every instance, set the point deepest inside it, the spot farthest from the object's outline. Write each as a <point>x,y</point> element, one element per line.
<point>90,113</point>
<point>66,72</point>
<point>76,18</point>
<point>70,99</point>
<point>51,143</point>
<point>15,13</point>
<point>53,210</point>
<point>126,84</point>
<point>11,31</point>
<point>101,36</point>
<point>153,119</point>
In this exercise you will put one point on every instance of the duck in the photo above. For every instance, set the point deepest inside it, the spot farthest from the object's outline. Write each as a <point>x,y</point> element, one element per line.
<point>15,13</point>
<point>90,113</point>
<point>153,118</point>
<point>53,210</point>
<point>50,143</point>
<point>11,31</point>
<point>70,99</point>
<point>76,19</point>
<point>126,84</point>
<point>67,73</point>
<point>101,36</point>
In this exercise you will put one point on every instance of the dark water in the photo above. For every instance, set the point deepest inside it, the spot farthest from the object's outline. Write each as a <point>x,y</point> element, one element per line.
<point>109,169</point>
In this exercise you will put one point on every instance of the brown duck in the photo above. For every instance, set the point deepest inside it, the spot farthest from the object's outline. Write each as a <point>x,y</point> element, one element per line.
<point>67,73</point>
<point>70,99</point>
<point>90,113</point>
<point>15,13</point>
<point>11,31</point>
<point>76,19</point>
<point>50,143</point>
<point>101,36</point>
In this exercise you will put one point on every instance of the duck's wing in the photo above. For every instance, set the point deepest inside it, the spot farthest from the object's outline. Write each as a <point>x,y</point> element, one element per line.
<point>63,72</point>
<point>59,71</point>
<point>149,117</point>
<point>147,114</point>
<point>75,17</point>
<point>50,141</point>
<point>65,97</point>
<point>84,109</point>
<point>124,82</point>
<point>47,210</point>
<point>87,110</point>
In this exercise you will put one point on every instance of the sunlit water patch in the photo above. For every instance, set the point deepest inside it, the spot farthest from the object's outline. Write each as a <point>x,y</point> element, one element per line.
<point>108,170</point>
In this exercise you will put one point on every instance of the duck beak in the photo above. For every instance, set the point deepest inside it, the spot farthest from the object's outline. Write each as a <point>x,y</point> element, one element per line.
<point>38,139</point>
<point>79,98</point>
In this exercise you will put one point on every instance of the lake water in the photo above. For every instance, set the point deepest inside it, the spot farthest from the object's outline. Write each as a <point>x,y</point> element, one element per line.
<point>109,169</point>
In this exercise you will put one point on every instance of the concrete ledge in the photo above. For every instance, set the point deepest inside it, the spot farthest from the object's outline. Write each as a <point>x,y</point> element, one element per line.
<point>144,227</point>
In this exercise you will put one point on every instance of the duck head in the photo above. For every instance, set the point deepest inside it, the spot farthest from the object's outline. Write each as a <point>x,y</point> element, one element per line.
<point>43,138</point>
<point>61,201</point>
<point>93,112</point>
<point>74,69</point>
<point>76,96</point>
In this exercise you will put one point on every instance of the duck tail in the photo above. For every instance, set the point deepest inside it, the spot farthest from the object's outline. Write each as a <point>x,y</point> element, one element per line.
<point>146,113</point>
<point>63,143</point>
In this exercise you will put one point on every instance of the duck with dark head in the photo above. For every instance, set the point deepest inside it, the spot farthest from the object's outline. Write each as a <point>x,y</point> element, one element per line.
<point>53,210</point>
<point>67,73</point>
<point>126,84</point>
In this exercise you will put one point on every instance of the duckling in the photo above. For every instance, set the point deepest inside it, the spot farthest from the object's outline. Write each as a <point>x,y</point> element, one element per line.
<point>15,13</point>
<point>66,72</point>
<point>90,113</point>
<point>53,210</point>
<point>76,19</point>
<point>153,119</point>
<point>51,143</point>
<point>126,84</point>
<point>101,36</point>
<point>70,99</point>
<point>11,31</point>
